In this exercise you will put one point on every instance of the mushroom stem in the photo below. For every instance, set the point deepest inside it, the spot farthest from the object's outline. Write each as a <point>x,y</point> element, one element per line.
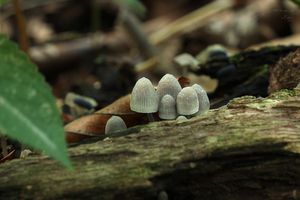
<point>150,117</point>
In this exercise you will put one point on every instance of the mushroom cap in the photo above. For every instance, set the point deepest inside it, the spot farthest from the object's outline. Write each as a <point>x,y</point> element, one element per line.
<point>144,98</point>
<point>114,124</point>
<point>181,118</point>
<point>167,107</point>
<point>168,84</point>
<point>187,101</point>
<point>186,60</point>
<point>202,98</point>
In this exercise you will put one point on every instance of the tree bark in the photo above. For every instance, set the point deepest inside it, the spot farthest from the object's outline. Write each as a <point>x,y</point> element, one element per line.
<point>249,149</point>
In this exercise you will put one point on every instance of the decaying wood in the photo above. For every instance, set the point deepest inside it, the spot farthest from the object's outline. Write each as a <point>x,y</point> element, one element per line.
<point>249,149</point>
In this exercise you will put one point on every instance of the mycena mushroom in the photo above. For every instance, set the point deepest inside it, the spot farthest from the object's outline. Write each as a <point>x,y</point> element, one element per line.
<point>202,98</point>
<point>187,102</point>
<point>167,107</point>
<point>144,98</point>
<point>114,124</point>
<point>168,84</point>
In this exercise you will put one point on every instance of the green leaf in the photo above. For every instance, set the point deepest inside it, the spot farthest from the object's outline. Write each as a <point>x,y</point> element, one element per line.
<point>27,107</point>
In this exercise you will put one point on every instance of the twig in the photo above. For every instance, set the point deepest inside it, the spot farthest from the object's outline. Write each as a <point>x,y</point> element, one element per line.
<point>191,21</point>
<point>133,26</point>
<point>23,38</point>
<point>187,23</point>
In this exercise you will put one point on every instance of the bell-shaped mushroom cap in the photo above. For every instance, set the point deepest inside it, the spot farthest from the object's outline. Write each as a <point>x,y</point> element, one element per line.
<point>114,124</point>
<point>168,84</point>
<point>186,60</point>
<point>181,118</point>
<point>187,101</point>
<point>202,98</point>
<point>144,98</point>
<point>167,107</point>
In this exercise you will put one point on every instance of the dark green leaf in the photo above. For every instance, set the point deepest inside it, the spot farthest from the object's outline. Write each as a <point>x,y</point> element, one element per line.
<point>27,108</point>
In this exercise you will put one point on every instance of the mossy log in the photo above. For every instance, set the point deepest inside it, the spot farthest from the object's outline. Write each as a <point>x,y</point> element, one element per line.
<point>249,149</point>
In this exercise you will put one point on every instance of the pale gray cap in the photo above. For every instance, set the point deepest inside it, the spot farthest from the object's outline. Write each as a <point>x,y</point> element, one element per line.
<point>144,98</point>
<point>168,84</point>
<point>181,118</point>
<point>167,107</point>
<point>187,101</point>
<point>202,98</point>
<point>114,124</point>
<point>186,60</point>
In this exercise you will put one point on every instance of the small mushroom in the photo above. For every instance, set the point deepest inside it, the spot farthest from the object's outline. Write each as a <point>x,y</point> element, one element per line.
<point>168,84</point>
<point>115,124</point>
<point>187,102</point>
<point>181,118</point>
<point>167,107</point>
<point>202,98</point>
<point>186,61</point>
<point>144,98</point>
<point>210,53</point>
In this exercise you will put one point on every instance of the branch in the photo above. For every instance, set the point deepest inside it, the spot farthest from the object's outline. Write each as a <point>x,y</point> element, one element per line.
<point>248,149</point>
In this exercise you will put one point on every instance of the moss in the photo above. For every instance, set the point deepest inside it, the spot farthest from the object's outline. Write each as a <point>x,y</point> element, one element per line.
<point>248,129</point>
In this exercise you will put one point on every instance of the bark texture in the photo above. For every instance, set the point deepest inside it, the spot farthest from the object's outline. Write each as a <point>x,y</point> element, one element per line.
<point>249,149</point>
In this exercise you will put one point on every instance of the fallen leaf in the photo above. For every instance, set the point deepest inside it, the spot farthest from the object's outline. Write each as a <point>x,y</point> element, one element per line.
<point>183,81</point>
<point>94,124</point>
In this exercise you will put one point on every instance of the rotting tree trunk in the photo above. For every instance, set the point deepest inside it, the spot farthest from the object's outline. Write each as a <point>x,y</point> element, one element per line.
<point>249,149</point>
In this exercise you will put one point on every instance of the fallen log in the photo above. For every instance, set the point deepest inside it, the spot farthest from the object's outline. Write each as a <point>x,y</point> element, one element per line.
<point>249,149</point>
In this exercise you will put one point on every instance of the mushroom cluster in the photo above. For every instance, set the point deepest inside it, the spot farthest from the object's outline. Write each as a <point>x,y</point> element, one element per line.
<point>168,99</point>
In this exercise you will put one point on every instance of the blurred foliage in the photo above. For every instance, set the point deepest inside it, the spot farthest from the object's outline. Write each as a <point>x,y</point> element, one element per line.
<point>297,2</point>
<point>3,2</point>
<point>135,6</point>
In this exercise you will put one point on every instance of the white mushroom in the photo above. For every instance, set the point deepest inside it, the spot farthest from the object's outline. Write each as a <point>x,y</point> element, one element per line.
<point>168,84</point>
<point>115,124</point>
<point>202,98</point>
<point>167,107</point>
<point>144,98</point>
<point>187,102</point>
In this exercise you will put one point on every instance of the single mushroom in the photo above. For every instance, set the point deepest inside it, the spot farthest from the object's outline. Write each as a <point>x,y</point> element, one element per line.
<point>167,107</point>
<point>144,98</point>
<point>168,84</point>
<point>187,102</point>
<point>181,118</point>
<point>114,124</point>
<point>186,61</point>
<point>202,98</point>
<point>212,52</point>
